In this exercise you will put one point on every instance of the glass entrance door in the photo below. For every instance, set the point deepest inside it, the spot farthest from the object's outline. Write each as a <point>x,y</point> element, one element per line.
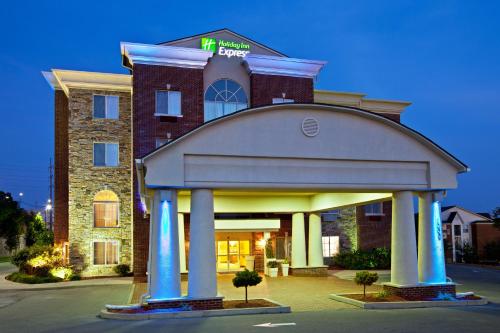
<point>231,254</point>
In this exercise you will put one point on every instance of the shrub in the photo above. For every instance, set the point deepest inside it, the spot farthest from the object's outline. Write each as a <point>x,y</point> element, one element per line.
<point>122,269</point>
<point>469,255</point>
<point>383,294</point>
<point>492,251</point>
<point>366,279</point>
<point>272,264</point>
<point>37,259</point>
<point>62,272</point>
<point>75,277</point>
<point>269,249</point>
<point>31,279</point>
<point>245,279</point>
<point>379,258</point>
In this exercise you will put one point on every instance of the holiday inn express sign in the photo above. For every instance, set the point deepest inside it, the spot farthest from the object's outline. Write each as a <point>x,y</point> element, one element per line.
<point>224,47</point>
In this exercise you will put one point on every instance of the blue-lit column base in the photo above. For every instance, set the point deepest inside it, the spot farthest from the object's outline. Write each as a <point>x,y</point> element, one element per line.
<point>431,264</point>
<point>164,272</point>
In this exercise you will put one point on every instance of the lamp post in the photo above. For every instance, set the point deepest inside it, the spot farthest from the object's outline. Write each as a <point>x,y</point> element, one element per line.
<point>48,209</point>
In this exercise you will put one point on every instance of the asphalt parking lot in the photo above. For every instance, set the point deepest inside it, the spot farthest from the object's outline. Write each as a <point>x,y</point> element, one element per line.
<point>75,310</point>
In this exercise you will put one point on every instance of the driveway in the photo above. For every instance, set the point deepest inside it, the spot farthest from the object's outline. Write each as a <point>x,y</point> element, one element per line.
<point>75,309</point>
<point>301,293</point>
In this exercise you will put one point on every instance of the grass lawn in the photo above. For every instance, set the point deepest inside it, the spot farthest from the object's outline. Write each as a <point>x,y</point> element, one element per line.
<point>4,259</point>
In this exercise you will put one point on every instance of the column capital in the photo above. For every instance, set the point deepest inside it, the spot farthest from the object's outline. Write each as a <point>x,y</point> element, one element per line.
<point>437,195</point>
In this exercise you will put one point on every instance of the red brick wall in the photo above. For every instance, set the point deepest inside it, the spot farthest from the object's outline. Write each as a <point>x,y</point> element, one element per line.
<point>482,234</point>
<point>147,128</point>
<point>374,231</point>
<point>263,88</point>
<point>61,168</point>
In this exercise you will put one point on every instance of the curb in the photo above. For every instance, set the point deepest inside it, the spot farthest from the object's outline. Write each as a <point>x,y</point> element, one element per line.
<point>105,314</point>
<point>406,305</point>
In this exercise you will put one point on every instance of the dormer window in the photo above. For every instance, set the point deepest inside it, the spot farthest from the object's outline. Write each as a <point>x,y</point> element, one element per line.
<point>224,97</point>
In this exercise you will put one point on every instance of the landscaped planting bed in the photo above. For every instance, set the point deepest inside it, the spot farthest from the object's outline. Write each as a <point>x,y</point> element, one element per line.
<point>252,303</point>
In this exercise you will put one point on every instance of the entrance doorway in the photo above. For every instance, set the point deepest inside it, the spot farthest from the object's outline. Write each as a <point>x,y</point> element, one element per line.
<point>231,254</point>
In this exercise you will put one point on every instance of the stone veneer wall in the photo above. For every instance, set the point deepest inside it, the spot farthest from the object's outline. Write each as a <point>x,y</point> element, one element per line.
<point>85,180</point>
<point>344,227</point>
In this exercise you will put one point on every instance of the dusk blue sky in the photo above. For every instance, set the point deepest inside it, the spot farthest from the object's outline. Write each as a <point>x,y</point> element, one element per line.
<point>443,56</point>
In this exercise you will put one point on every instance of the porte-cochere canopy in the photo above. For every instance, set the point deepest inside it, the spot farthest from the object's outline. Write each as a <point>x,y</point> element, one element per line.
<point>301,146</point>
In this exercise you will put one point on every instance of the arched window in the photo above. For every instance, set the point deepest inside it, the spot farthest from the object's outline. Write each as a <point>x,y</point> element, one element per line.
<point>105,209</point>
<point>224,97</point>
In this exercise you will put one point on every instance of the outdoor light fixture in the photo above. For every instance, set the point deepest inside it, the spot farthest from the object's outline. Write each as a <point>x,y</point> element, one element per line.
<point>261,242</point>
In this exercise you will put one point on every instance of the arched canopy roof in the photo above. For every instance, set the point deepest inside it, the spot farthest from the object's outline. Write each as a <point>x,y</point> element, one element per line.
<point>267,147</point>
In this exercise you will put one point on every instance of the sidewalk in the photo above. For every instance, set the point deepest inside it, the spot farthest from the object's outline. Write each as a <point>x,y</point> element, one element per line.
<point>7,268</point>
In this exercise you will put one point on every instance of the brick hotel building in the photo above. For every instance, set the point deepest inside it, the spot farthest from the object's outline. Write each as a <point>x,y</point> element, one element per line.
<point>306,199</point>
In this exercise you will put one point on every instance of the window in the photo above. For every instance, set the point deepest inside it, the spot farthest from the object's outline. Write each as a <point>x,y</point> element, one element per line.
<point>161,142</point>
<point>105,252</point>
<point>282,100</point>
<point>106,209</point>
<point>168,103</point>
<point>106,154</point>
<point>331,246</point>
<point>282,247</point>
<point>106,106</point>
<point>224,97</point>
<point>331,216</point>
<point>373,209</point>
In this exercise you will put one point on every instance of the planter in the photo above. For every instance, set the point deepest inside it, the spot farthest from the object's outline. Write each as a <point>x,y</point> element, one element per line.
<point>266,269</point>
<point>273,272</point>
<point>284,269</point>
<point>250,265</point>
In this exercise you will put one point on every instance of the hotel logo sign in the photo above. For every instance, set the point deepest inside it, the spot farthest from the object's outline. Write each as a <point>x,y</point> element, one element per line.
<point>225,48</point>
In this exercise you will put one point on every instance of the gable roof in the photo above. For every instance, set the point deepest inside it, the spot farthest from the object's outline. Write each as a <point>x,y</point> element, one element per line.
<point>482,216</point>
<point>237,35</point>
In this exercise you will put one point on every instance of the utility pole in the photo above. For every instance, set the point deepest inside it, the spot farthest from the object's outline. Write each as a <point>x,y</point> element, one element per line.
<point>51,190</point>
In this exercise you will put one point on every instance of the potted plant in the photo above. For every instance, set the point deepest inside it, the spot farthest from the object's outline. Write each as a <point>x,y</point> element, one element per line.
<point>272,268</point>
<point>269,255</point>
<point>285,265</point>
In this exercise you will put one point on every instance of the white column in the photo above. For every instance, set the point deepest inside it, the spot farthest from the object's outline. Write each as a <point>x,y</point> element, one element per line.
<point>298,241</point>
<point>315,254</point>
<point>164,279</point>
<point>403,243</point>
<point>182,246</point>
<point>202,278</point>
<point>431,266</point>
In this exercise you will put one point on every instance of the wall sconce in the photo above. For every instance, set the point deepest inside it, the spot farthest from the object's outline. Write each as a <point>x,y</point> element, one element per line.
<point>261,242</point>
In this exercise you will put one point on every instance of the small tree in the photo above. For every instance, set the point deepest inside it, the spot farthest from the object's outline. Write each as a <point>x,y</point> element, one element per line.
<point>245,279</point>
<point>366,279</point>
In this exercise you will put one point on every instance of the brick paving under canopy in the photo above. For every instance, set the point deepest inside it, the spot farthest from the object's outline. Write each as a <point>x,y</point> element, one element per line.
<point>301,293</point>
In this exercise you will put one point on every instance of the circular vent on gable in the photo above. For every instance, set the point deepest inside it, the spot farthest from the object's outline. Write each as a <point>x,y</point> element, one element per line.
<point>310,127</point>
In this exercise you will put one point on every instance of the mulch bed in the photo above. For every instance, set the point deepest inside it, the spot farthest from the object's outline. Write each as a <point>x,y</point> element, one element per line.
<point>252,303</point>
<point>371,298</point>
